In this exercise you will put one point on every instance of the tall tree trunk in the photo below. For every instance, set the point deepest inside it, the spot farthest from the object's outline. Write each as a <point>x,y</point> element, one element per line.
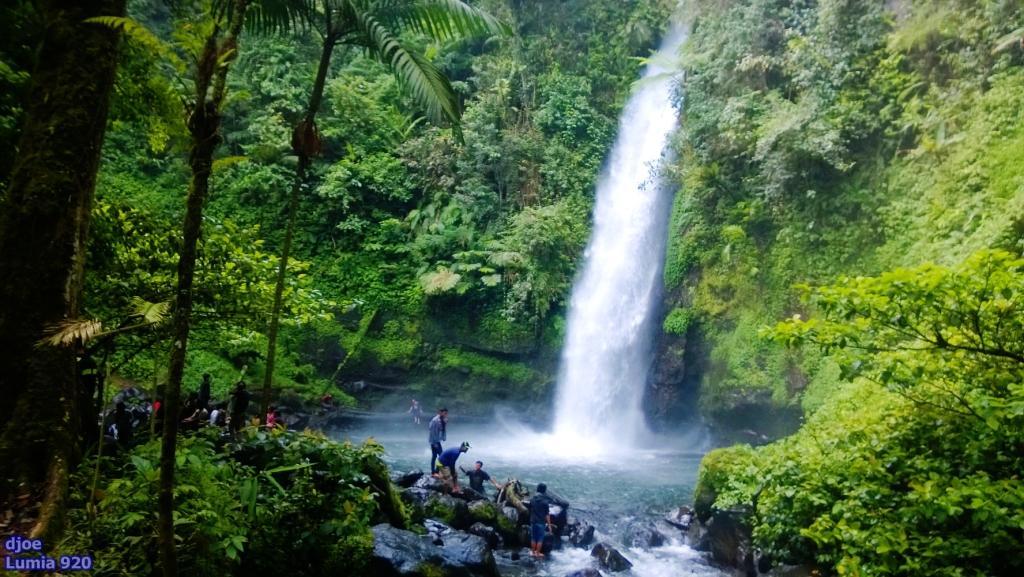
<point>44,225</point>
<point>306,144</point>
<point>204,126</point>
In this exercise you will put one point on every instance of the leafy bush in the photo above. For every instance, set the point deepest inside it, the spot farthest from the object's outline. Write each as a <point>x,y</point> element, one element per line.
<point>914,468</point>
<point>270,503</point>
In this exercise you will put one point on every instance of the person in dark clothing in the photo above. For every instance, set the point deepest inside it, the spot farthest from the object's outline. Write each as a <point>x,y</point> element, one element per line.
<point>477,477</point>
<point>446,465</point>
<point>437,433</point>
<point>124,433</point>
<point>204,392</point>
<point>540,519</point>
<point>239,403</point>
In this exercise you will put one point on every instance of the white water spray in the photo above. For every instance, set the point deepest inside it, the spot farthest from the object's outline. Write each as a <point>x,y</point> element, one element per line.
<point>607,355</point>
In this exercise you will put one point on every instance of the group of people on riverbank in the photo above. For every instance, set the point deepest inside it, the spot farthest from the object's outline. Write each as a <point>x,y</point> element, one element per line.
<point>443,465</point>
<point>198,411</point>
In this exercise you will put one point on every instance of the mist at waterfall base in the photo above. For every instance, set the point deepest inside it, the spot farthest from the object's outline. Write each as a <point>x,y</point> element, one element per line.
<point>613,491</point>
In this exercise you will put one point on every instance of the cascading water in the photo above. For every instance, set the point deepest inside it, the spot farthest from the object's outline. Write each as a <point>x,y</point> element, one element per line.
<point>607,355</point>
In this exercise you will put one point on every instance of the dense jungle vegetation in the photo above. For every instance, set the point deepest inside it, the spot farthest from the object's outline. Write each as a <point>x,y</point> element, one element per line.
<point>844,249</point>
<point>856,167</point>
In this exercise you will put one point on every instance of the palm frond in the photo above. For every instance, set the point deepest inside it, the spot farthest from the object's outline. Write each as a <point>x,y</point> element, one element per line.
<point>1015,38</point>
<point>151,313</point>
<point>428,86</point>
<point>441,20</point>
<point>439,281</point>
<point>280,16</point>
<point>71,332</point>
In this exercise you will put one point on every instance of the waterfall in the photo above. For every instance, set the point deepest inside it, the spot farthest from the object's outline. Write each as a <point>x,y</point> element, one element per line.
<point>607,354</point>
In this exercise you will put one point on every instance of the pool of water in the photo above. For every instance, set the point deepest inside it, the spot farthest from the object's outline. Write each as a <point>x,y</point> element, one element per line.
<point>611,487</point>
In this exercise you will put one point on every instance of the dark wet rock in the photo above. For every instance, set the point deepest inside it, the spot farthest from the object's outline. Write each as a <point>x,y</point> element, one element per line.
<point>680,518</point>
<point>398,553</point>
<point>610,558</point>
<point>468,494</point>
<point>581,535</point>
<point>730,541</point>
<point>415,496</point>
<point>588,572</point>
<point>697,537</point>
<point>436,528</point>
<point>489,534</point>
<point>466,554</point>
<point>406,480</point>
<point>429,482</point>
<point>644,536</point>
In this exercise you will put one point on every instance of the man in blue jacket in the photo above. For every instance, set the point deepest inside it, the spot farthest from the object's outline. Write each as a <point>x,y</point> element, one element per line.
<point>437,434</point>
<point>446,465</point>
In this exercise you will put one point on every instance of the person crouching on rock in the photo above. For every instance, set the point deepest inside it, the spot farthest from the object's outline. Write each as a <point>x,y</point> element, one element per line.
<point>446,465</point>
<point>540,519</point>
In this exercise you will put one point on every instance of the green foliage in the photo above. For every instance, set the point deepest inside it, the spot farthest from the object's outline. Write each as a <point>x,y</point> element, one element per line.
<point>268,503</point>
<point>914,468</point>
<point>839,138</point>
<point>678,321</point>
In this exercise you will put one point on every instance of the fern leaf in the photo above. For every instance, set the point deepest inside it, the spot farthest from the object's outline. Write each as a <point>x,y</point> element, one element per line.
<point>71,332</point>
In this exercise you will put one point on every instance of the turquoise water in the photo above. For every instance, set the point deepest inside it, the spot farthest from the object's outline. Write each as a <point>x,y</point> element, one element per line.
<point>612,489</point>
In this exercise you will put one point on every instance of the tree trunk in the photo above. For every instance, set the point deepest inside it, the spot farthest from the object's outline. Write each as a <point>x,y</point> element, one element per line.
<point>44,225</point>
<point>306,143</point>
<point>204,126</point>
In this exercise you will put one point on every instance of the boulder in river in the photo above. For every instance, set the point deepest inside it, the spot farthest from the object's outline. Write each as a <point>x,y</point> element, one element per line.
<point>397,552</point>
<point>729,539</point>
<point>644,536</point>
<point>588,572</point>
<point>406,480</point>
<point>610,558</point>
<point>429,482</point>
<point>680,518</point>
<point>489,534</point>
<point>464,554</point>
<point>581,535</point>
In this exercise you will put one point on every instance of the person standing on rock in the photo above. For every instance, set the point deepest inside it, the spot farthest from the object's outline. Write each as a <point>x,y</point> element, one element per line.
<point>477,477</point>
<point>540,519</point>
<point>446,465</point>
<point>438,433</point>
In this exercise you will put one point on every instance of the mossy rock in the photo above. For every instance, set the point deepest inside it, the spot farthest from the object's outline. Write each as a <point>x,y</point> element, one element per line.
<point>448,510</point>
<point>485,512</point>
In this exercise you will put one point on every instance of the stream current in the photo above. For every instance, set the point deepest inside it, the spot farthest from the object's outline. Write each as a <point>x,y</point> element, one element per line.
<point>612,492</point>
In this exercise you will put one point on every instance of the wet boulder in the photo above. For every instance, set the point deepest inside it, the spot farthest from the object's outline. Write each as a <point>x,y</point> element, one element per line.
<point>610,558</point>
<point>581,535</point>
<point>398,552</point>
<point>588,572</point>
<point>644,536</point>
<point>730,542</point>
<point>680,518</point>
<point>469,494</point>
<point>467,555</point>
<point>430,483</point>
<point>406,480</point>
<point>489,534</point>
